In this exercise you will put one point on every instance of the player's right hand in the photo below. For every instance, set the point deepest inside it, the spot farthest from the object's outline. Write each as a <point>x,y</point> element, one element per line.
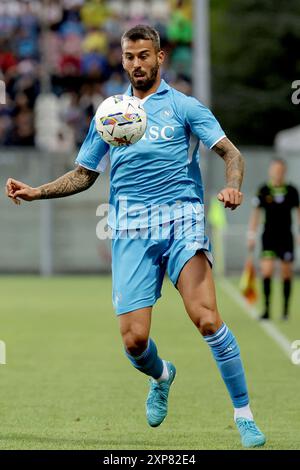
<point>230,197</point>
<point>16,190</point>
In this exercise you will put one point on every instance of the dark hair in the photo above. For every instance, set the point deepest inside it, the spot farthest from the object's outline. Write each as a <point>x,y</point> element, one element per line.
<point>142,31</point>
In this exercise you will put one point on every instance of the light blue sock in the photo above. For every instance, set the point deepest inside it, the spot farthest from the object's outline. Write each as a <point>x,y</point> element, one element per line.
<point>227,355</point>
<point>149,362</point>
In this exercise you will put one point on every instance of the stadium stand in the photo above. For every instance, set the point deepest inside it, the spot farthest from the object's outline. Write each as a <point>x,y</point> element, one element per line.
<point>70,49</point>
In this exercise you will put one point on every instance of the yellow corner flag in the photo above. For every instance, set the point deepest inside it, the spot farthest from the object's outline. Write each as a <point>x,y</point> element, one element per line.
<point>248,285</point>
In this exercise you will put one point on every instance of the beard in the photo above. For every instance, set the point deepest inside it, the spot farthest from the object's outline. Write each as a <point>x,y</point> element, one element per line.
<point>144,82</point>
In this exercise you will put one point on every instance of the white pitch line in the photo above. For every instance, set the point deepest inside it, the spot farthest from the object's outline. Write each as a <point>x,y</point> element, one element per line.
<point>269,328</point>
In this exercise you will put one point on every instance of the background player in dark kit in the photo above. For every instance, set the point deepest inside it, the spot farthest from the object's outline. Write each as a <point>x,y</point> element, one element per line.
<point>277,199</point>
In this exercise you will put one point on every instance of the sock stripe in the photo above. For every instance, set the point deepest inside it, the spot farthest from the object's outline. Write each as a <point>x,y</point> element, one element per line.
<point>219,340</point>
<point>211,340</point>
<point>216,334</point>
<point>226,352</point>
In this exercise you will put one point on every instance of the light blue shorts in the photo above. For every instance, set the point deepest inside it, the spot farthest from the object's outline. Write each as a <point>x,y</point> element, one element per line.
<point>141,257</point>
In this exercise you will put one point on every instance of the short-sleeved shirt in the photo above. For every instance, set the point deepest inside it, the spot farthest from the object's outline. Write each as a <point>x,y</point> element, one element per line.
<point>277,202</point>
<point>158,169</point>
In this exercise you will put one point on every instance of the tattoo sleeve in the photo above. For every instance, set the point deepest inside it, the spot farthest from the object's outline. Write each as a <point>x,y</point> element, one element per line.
<point>234,162</point>
<point>73,182</point>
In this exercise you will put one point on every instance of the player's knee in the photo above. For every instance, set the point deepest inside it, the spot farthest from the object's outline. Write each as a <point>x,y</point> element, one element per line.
<point>135,342</point>
<point>208,326</point>
<point>286,273</point>
<point>207,321</point>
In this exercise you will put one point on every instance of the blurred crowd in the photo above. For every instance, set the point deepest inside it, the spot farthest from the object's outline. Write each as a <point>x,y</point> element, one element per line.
<point>70,49</point>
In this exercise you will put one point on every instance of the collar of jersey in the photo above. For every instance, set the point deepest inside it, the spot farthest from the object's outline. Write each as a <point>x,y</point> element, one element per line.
<point>163,88</point>
<point>277,189</point>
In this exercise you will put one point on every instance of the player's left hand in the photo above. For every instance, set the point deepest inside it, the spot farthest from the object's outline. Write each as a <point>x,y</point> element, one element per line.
<point>231,198</point>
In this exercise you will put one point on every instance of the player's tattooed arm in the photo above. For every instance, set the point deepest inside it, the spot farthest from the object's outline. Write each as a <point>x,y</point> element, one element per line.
<point>234,162</point>
<point>231,196</point>
<point>74,182</point>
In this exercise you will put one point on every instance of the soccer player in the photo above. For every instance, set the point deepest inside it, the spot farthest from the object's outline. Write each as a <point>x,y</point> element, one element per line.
<point>163,190</point>
<point>276,199</point>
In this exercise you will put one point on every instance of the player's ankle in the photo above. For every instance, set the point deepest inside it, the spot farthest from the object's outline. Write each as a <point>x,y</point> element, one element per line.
<point>243,412</point>
<point>165,373</point>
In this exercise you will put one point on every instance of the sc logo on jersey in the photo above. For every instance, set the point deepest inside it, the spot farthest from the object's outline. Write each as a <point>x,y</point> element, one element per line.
<point>156,133</point>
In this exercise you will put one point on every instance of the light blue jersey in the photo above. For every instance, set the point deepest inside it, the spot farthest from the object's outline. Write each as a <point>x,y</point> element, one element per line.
<point>152,174</point>
<point>155,171</point>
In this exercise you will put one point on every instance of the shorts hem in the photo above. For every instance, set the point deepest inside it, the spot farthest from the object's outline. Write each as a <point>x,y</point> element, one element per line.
<point>136,306</point>
<point>273,255</point>
<point>208,255</point>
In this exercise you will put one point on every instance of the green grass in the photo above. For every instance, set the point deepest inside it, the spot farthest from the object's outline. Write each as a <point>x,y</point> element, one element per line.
<point>68,385</point>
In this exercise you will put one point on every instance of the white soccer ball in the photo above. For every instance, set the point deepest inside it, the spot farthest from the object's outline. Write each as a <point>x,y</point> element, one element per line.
<point>121,120</point>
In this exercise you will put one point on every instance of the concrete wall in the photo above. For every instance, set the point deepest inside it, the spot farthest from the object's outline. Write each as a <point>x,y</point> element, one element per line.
<point>75,247</point>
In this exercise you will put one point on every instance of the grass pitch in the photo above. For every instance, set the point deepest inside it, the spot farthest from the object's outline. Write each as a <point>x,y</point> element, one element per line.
<point>68,385</point>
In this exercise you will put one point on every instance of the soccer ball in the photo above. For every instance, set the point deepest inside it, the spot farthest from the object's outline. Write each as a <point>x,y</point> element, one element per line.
<point>121,120</point>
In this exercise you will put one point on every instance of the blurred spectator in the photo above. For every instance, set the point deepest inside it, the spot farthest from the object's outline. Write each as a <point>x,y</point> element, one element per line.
<point>71,48</point>
<point>95,13</point>
<point>7,57</point>
<point>94,65</point>
<point>180,28</point>
<point>77,110</point>
<point>115,85</point>
<point>6,121</point>
<point>23,130</point>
